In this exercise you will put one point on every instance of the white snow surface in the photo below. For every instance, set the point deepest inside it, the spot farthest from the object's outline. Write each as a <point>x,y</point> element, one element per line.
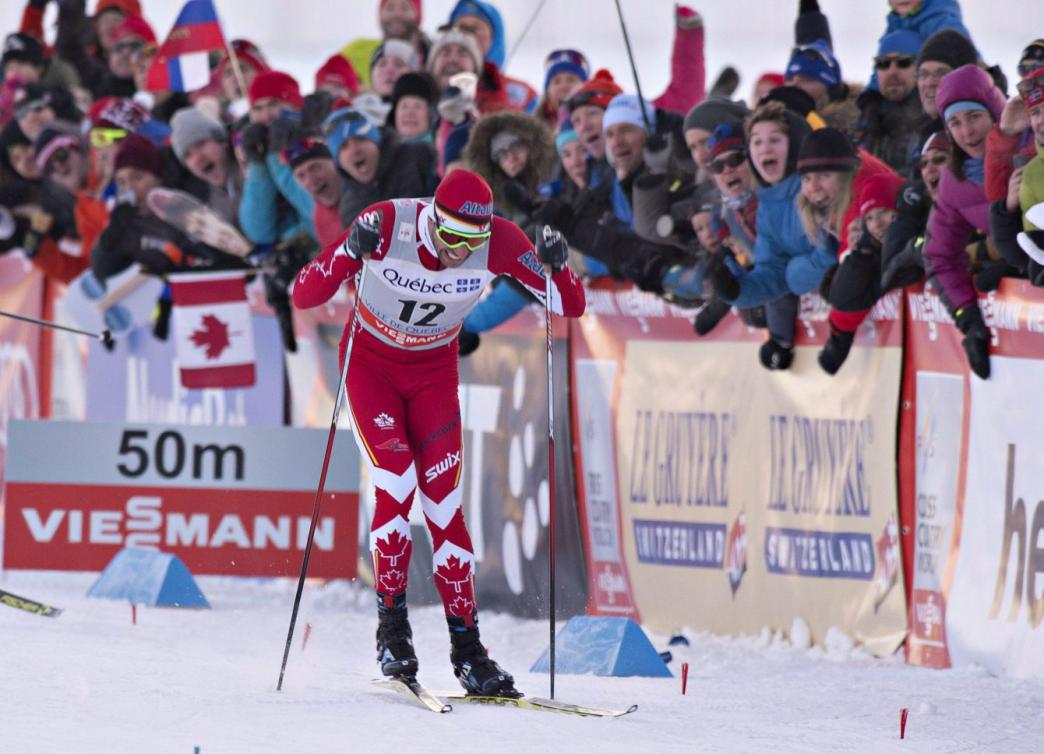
<point>90,681</point>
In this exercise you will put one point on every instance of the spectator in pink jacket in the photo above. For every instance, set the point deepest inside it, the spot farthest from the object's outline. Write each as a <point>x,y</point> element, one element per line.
<point>970,105</point>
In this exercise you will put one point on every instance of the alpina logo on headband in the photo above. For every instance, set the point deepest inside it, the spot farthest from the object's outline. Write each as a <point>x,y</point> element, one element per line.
<point>476,209</point>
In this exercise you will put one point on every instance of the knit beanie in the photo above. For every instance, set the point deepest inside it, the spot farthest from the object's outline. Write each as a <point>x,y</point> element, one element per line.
<point>23,47</point>
<point>396,48</point>
<point>728,137</point>
<point>816,61</point>
<point>793,98</point>
<point>565,136</point>
<point>491,16</point>
<point>412,84</point>
<point>464,202</point>
<point>627,108</point>
<point>456,37</point>
<point>714,111</point>
<point>304,149</point>
<point>276,85</point>
<point>416,7</point>
<point>565,61</point>
<point>138,152</point>
<point>901,42</point>
<point>134,26</point>
<point>189,126</point>
<point>117,112</point>
<point>345,124</point>
<point>881,190</point>
<point>599,90</point>
<point>1032,57</point>
<point>948,46</point>
<point>126,7</point>
<point>827,149</point>
<point>337,70</point>
<point>52,139</point>
<point>938,140</point>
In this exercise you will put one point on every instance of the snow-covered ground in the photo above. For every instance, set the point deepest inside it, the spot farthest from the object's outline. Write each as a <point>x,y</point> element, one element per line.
<point>90,681</point>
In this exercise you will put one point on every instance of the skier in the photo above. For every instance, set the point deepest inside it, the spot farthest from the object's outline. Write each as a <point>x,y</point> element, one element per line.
<point>424,265</point>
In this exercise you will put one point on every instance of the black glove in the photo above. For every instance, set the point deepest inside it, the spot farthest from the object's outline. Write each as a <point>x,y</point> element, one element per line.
<point>467,342</point>
<point>824,284</point>
<point>365,236</point>
<point>722,280</point>
<point>283,131</point>
<point>989,277</point>
<point>836,350</point>
<point>552,249</point>
<point>774,355</point>
<point>657,153</point>
<point>315,108</point>
<point>554,212</point>
<point>255,142</point>
<point>976,339</point>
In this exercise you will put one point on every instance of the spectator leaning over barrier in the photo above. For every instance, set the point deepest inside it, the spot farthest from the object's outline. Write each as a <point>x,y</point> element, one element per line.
<point>377,164</point>
<point>701,121</point>
<point>412,113</point>
<point>314,168</point>
<point>201,144</point>
<point>274,207</point>
<point>785,261</point>
<point>833,174</point>
<point>902,252</point>
<point>891,115</point>
<point>970,104</point>
<point>1018,239</point>
<point>1011,140</point>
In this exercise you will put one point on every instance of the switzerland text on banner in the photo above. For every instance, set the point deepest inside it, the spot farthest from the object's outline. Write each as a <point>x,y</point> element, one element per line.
<point>182,62</point>
<point>745,498</point>
<point>976,493</point>
<point>213,330</point>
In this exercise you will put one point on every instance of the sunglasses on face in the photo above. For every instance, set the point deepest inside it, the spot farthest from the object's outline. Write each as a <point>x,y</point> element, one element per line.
<point>720,165</point>
<point>104,137</point>
<point>131,45</point>
<point>885,62</point>
<point>1033,61</point>
<point>936,159</point>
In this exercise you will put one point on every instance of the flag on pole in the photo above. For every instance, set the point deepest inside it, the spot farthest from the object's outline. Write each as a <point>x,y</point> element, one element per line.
<point>213,330</point>
<point>182,63</point>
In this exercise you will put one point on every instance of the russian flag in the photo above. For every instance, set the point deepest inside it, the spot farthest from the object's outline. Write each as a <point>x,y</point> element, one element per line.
<point>182,63</point>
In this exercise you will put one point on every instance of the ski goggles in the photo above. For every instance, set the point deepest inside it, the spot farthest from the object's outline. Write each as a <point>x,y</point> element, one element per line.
<point>1033,58</point>
<point>720,165</point>
<point>106,137</point>
<point>454,239</point>
<point>902,62</point>
<point>1031,89</point>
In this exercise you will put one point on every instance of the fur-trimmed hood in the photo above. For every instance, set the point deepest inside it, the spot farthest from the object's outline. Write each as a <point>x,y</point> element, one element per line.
<point>532,131</point>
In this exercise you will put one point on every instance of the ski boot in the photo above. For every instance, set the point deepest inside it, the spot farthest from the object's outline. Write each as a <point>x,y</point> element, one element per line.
<point>477,673</point>
<point>395,638</point>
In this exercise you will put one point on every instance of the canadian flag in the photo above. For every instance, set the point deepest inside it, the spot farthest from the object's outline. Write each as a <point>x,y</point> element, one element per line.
<point>213,330</point>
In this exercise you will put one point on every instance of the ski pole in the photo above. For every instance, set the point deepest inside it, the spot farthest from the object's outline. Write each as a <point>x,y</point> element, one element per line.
<point>341,389</point>
<point>104,336</point>
<point>547,232</point>
<point>634,71</point>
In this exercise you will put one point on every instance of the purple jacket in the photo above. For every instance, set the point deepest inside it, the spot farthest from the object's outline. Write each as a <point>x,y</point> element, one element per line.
<point>961,207</point>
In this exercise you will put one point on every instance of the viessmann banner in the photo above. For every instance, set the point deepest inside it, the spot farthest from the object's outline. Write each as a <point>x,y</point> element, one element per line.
<point>230,501</point>
<point>744,498</point>
<point>978,496</point>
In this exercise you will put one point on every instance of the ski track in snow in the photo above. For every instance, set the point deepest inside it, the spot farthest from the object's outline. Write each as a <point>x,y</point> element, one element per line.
<point>90,681</point>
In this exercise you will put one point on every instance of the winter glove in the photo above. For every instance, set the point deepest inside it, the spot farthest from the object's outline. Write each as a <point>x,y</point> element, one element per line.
<point>976,341</point>
<point>836,350</point>
<point>824,284</point>
<point>161,323</point>
<point>724,282</point>
<point>710,315</point>
<point>365,236</point>
<point>774,355</point>
<point>904,268</point>
<point>657,153</point>
<point>989,277</point>
<point>314,110</point>
<point>255,142</point>
<point>455,105</point>
<point>552,249</point>
<point>686,17</point>
<point>467,342</point>
<point>283,131</point>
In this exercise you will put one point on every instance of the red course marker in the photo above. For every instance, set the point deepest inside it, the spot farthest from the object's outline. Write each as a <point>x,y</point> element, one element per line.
<point>304,637</point>
<point>685,676</point>
<point>134,614</point>
<point>902,721</point>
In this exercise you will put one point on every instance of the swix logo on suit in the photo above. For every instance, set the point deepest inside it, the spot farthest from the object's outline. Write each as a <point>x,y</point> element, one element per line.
<point>452,460</point>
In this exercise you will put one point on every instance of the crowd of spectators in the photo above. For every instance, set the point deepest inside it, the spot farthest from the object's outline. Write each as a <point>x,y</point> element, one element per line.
<point>920,165</point>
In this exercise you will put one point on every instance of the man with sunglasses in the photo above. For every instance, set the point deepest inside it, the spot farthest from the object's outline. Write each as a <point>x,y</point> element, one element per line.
<point>131,36</point>
<point>891,116</point>
<point>422,266</point>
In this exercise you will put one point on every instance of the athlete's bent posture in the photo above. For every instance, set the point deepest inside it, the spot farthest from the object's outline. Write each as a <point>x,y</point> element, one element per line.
<point>424,265</point>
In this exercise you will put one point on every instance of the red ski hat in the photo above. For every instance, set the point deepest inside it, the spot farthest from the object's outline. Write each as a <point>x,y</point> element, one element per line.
<point>117,112</point>
<point>597,91</point>
<point>338,70</point>
<point>277,85</point>
<point>879,191</point>
<point>464,203</point>
<point>126,7</point>
<point>134,26</point>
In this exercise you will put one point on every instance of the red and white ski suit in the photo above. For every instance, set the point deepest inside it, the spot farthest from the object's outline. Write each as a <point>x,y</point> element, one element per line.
<point>403,379</point>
